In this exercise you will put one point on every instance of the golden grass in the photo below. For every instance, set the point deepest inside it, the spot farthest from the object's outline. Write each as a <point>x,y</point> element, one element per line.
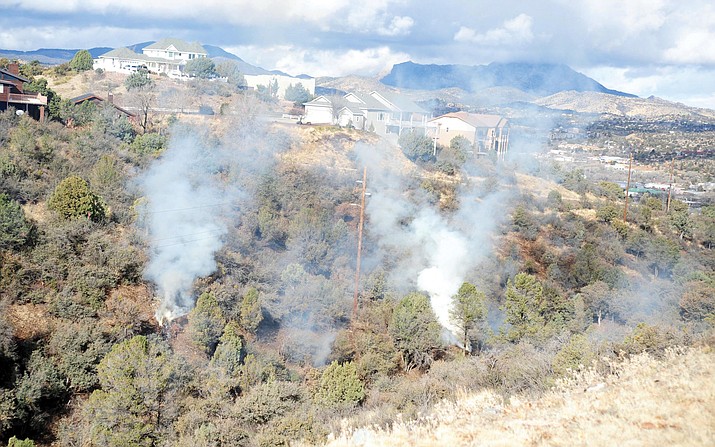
<point>641,402</point>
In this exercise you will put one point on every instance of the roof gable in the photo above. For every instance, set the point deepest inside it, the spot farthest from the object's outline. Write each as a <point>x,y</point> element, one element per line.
<point>319,101</point>
<point>4,74</point>
<point>177,45</point>
<point>476,120</point>
<point>397,102</point>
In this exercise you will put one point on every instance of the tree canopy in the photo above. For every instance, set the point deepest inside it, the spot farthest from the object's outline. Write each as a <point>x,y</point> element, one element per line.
<point>202,67</point>
<point>82,61</point>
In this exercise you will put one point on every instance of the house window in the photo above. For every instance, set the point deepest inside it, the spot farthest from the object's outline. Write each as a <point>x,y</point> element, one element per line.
<point>380,117</point>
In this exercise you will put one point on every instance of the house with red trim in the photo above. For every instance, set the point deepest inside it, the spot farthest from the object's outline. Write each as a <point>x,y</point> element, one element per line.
<point>13,94</point>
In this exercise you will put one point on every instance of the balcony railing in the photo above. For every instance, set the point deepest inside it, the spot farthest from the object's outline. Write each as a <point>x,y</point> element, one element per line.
<point>36,99</point>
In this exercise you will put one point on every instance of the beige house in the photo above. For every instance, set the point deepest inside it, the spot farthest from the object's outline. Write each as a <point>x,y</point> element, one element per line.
<point>485,132</point>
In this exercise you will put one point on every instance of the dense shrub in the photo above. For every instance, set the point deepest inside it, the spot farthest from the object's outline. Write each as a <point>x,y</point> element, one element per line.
<point>73,198</point>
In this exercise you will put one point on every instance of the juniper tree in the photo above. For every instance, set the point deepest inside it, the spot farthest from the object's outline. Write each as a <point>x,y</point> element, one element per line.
<point>467,311</point>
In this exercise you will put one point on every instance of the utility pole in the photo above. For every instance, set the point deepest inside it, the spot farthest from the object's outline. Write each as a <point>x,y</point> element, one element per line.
<point>628,187</point>
<point>670,186</point>
<point>359,249</point>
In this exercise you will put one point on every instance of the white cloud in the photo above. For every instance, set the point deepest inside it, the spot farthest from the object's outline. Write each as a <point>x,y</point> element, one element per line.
<point>295,60</point>
<point>31,38</point>
<point>399,26</point>
<point>512,32</point>
<point>691,85</point>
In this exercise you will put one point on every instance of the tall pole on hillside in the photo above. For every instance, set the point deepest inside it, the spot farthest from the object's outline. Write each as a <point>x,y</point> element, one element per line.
<point>670,185</point>
<point>359,248</point>
<point>628,187</point>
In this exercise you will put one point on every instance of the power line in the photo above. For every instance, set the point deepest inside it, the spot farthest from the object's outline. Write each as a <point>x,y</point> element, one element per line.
<point>183,242</point>
<point>188,208</point>
<point>186,235</point>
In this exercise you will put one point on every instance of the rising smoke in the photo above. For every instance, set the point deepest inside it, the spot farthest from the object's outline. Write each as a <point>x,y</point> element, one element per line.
<point>431,252</point>
<point>192,196</point>
<point>184,221</point>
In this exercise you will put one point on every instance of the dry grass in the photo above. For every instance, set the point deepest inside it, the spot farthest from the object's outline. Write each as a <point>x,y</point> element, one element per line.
<point>642,402</point>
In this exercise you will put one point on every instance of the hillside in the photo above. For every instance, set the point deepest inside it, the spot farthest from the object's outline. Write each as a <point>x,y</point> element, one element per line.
<point>641,402</point>
<point>600,103</point>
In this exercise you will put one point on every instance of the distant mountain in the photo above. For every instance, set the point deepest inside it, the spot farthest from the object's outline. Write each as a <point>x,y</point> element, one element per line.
<point>537,79</point>
<point>49,55</point>
<point>52,56</point>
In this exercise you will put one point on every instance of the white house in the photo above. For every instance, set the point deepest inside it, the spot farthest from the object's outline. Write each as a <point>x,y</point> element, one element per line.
<point>165,56</point>
<point>378,112</point>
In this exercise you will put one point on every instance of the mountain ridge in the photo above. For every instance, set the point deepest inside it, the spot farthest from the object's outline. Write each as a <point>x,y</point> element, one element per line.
<point>541,79</point>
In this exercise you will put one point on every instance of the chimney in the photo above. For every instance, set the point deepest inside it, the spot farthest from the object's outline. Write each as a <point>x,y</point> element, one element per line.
<point>14,68</point>
<point>110,98</point>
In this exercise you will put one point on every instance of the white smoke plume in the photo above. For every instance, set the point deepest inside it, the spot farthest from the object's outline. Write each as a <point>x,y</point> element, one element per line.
<point>431,251</point>
<point>183,222</point>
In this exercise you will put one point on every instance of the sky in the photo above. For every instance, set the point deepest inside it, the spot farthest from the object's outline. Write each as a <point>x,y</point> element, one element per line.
<point>663,48</point>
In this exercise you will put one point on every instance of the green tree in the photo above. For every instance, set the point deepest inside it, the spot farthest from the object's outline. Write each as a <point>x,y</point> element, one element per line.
<point>201,67</point>
<point>138,80</point>
<point>416,146</point>
<point>415,331</point>
<point>54,101</point>
<point>573,356</point>
<point>230,71</point>
<point>610,191</point>
<point>82,61</point>
<point>230,352</point>
<point>450,159</point>
<point>682,223</point>
<point>524,307</point>
<point>597,298</point>
<point>251,311</point>
<point>73,198</point>
<point>142,96</point>
<point>340,384</point>
<point>661,254</point>
<point>14,227</point>
<point>705,226</point>
<point>608,212</point>
<point>206,322</point>
<point>297,93</point>
<point>129,409</point>
<point>14,442</point>
<point>467,310</point>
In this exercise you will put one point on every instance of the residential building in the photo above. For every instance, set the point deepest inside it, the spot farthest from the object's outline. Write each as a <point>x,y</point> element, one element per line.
<point>485,132</point>
<point>100,102</point>
<point>378,112</point>
<point>13,94</point>
<point>165,56</point>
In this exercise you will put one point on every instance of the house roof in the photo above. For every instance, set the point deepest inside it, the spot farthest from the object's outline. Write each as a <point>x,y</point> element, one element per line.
<point>5,73</point>
<point>85,97</point>
<point>91,96</point>
<point>368,102</point>
<point>180,45</point>
<point>122,53</point>
<point>354,109</point>
<point>475,119</point>
<point>319,101</point>
<point>399,102</point>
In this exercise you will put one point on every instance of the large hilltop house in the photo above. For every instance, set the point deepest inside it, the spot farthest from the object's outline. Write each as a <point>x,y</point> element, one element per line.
<point>165,56</point>
<point>382,113</point>
<point>12,94</point>
<point>485,132</point>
